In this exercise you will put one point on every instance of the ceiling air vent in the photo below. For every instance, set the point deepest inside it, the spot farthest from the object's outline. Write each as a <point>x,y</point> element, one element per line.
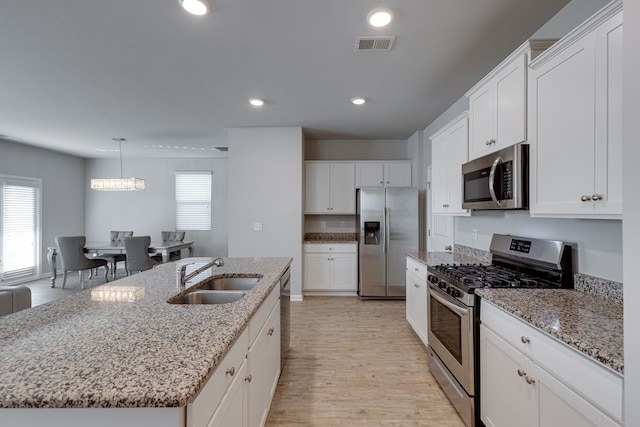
<point>222,148</point>
<point>374,44</point>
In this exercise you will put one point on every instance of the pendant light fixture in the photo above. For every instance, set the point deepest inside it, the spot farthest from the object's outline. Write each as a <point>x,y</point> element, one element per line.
<point>118,184</point>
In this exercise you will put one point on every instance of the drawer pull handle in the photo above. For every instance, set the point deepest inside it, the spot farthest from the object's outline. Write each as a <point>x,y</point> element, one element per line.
<point>271,330</point>
<point>525,340</point>
<point>416,285</point>
<point>416,269</point>
<point>231,371</point>
<point>521,373</point>
<point>530,380</point>
<point>248,378</point>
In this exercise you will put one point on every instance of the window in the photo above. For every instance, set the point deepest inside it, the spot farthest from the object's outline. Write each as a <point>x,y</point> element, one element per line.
<point>19,228</point>
<point>193,200</point>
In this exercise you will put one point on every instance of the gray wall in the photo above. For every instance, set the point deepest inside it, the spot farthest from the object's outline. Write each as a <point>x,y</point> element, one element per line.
<point>63,187</point>
<point>631,209</point>
<point>599,241</point>
<point>356,149</point>
<point>266,185</point>
<point>153,210</point>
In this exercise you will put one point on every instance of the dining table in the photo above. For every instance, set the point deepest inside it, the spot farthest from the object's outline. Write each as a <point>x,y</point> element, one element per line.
<point>159,247</point>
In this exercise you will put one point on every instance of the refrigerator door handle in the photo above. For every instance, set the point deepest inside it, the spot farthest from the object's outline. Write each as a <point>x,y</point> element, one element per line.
<point>386,230</point>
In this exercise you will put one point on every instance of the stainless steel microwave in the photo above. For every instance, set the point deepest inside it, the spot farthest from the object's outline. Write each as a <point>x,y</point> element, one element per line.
<point>498,180</point>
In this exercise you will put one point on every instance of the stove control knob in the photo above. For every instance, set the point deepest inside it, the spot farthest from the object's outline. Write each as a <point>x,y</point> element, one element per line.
<point>456,293</point>
<point>442,285</point>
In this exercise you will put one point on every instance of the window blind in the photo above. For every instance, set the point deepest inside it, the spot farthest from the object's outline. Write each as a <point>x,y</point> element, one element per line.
<point>193,200</point>
<point>20,228</point>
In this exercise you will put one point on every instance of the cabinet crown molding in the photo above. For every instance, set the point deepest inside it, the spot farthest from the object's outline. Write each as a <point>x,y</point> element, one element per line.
<point>578,33</point>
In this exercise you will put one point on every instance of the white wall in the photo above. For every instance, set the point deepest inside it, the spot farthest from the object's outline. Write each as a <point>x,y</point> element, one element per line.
<point>151,211</point>
<point>266,185</point>
<point>356,149</point>
<point>631,209</point>
<point>62,189</point>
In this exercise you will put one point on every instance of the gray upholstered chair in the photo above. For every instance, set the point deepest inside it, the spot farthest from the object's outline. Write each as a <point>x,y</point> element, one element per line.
<point>73,257</point>
<point>171,236</point>
<point>116,238</point>
<point>138,258</point>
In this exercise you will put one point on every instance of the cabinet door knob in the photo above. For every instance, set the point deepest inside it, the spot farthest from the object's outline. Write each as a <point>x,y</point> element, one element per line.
<point>585,198</point>
<point>381,182</point>
<point>271,330</point>
<point>530,380</point>
<point>248,378</point>
<point>525,340</point>
<point>521,373</point>
<point>445,206</point>
<point>231,371</point>
<point>448,248</point>
<point>416,269</point>
<point>416,285</point>
<point>596,197</point>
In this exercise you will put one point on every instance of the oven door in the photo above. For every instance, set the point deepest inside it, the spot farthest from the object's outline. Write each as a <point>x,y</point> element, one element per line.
<point>451,335</point>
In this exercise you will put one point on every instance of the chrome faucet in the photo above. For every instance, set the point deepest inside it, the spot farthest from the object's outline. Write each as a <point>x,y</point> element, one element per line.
<point>184,278</point>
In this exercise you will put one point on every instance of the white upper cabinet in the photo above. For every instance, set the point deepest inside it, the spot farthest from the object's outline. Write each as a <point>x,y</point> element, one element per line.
<point>330,188</point>
<point>498,115</point>
<point>575,122</point>
<point>383,174</point>
<point>448,153</point>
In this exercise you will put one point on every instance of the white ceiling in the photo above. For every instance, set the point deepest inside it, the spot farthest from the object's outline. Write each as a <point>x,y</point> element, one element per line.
<point>76,73</point>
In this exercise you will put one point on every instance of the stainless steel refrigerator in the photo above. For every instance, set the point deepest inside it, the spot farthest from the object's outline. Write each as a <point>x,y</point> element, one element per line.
<point>388,227</point>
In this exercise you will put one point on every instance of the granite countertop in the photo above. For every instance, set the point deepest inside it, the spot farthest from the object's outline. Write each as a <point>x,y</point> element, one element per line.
<point>588,323</point>
<point>80,352</point>
<point>330,238</point>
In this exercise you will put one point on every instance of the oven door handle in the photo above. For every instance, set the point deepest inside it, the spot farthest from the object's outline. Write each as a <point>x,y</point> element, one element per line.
<point>463,312</point>
<point>492,179</point>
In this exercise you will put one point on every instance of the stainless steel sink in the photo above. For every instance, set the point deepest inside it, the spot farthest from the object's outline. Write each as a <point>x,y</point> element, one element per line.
<point>229,283</point>
<point>208,297</point>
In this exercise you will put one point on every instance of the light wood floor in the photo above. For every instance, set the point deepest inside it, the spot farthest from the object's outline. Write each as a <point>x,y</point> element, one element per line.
<point>351,363</point>
<point>356,363</point>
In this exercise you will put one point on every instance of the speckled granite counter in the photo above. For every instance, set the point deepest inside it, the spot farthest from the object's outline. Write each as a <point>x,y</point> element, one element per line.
<point>330,238</point>
<point>81,353</point>
<point>588,323</point>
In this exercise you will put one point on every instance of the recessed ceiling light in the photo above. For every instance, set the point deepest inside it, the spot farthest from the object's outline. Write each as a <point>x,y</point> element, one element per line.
<point>358,100</point>
<point>256,102</point>
<point>195,7</point>
<point>380,17</point>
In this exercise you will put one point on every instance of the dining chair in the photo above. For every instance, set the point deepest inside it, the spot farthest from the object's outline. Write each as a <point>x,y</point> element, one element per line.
<point>116,238</point>
<point>73,257</point>
<point>137,249</point>
<point>171,236</point>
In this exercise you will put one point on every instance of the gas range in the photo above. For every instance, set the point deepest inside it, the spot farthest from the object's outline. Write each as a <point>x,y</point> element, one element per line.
<point>517,262</point>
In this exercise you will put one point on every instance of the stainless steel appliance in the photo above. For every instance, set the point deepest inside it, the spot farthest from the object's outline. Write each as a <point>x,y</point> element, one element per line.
<point>388,228</point>
<point>453,324</point>
<point>497,181</point>
<point>285,312</point>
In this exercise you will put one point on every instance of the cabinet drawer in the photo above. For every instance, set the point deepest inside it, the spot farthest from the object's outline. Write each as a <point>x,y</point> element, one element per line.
<point>200,411</point>
<point>350,248</point>
<point>587,377</point>
<point>417,268</point>
<point>260,317</point>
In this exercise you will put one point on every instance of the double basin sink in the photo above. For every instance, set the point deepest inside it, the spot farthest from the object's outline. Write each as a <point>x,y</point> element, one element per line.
<point>217,290</point>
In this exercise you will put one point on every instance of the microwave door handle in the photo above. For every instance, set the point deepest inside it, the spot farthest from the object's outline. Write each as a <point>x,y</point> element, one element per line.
<point>492,178</point>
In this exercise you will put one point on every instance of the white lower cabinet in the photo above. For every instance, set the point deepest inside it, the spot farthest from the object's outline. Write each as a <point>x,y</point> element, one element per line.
<point>240,391</point>
<point>331,267</point>
<point>529,379</point>
<point>416,298</point>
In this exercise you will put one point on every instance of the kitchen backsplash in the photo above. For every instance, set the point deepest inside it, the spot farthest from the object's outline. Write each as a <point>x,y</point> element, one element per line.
<point>582,282</point>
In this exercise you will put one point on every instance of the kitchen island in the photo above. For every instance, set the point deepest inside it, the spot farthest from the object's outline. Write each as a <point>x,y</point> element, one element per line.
<point>86,360</point>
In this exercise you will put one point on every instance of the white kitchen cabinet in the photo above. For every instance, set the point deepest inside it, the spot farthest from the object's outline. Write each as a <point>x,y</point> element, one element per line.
<point>498,103</point>
<point>231,410</point>
<point>575,118</point>
<point>528,378</point>
<point>416,298</point>
<point>331,268</point>
<point>330,188</point>
<point>448,153</point>
<point>383,174</point>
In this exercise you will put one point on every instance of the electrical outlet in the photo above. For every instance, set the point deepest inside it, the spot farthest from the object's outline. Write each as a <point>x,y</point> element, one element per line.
<point>323,224</point>
<point>342,225</point>
<point>257,226</point>
<point>475,234</point>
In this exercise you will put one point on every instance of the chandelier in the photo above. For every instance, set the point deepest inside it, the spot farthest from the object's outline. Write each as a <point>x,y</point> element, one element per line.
<point>118,184</point>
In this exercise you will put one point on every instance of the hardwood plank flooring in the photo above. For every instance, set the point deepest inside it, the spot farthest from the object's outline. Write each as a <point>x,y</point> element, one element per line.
<point>356,363</point>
